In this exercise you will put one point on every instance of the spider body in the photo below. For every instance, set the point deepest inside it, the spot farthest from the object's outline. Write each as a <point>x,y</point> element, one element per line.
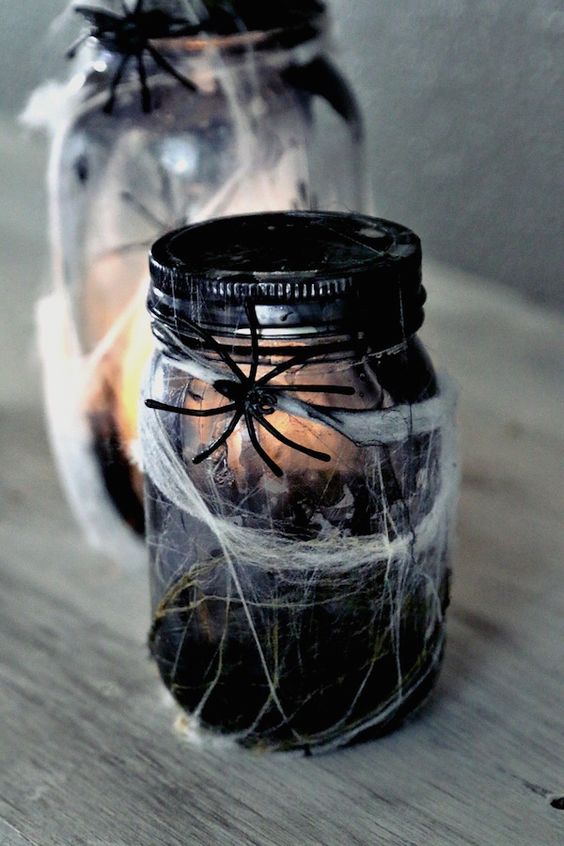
<point>250,398</point>
<point>255,399</point>
<point>131,36</point>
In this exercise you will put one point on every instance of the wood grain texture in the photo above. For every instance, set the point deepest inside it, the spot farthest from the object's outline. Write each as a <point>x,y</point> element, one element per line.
<point>88,755</point>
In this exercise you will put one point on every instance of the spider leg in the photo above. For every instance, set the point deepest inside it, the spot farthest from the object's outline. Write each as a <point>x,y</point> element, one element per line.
<point>281,368</point>
<point>225,357</point>
<point>189,412</point>
<point>253,324</point>
<point>145,90</point>
<point>221,440</point>
<point>166,66</point>
<point>299,358</point>
<point>109,107</point>
<point>313,453</point>
<point>319,389</point>
<point>72,51</point>
<point>256,443</point>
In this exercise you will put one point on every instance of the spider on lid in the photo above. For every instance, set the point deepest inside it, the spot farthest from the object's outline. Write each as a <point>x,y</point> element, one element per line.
<point>131,35</point>
<point>251,398</point>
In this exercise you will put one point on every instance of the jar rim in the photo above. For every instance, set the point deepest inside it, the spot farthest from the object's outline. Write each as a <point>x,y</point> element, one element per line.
<point>329,270</point>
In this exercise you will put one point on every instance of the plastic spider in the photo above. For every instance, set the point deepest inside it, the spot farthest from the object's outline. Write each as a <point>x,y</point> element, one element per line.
<point>131,35</point>
<point>251,398</point>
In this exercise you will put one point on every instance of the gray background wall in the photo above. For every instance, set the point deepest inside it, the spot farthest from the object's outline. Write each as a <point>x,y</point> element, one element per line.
<point>464,121</point>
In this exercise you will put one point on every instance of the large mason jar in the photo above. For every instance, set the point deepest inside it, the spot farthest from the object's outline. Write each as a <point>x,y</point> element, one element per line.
<point>166,122</point>
<point>300,466</point>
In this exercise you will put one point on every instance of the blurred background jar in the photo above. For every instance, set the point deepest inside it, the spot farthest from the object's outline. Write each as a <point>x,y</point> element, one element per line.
<point>170,117</point>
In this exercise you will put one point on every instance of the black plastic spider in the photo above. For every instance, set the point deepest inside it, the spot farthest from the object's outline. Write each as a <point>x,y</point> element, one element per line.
<point>131,35</point>
<point>251,398</point>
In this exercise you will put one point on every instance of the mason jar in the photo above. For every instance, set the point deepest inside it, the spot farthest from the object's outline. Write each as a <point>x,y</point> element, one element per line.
<point>300,478</point>
<point>161,128</point>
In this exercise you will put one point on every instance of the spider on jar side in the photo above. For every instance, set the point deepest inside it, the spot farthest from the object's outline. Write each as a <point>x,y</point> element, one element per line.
<point>131,35</point>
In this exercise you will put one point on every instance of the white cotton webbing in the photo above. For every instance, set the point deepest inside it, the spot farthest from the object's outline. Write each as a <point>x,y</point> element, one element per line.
<point>336,552</point>
<point>65,374</point>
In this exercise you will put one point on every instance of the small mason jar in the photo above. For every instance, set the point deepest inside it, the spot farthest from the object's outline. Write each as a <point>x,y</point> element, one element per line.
<point>300,465</point>
<point>159,129</point>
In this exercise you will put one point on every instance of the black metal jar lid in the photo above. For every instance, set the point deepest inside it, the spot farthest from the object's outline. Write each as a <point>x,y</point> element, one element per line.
<point>308,273</point>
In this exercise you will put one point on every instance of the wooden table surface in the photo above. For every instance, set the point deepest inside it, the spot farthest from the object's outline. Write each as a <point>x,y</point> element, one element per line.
<point>88,754</point>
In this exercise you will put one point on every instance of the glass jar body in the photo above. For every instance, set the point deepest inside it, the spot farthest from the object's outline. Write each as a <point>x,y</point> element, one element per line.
<point>262,131</point>
<point>308,610</point>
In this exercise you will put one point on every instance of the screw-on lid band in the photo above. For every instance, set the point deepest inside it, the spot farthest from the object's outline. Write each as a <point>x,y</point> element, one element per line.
<point>325,271</point>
